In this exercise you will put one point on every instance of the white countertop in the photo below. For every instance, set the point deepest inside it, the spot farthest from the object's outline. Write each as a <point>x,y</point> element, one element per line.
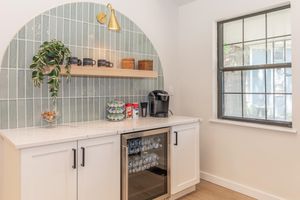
<point>32,137</point>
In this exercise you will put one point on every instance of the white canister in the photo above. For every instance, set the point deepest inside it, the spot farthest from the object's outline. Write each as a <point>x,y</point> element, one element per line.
<point>135,110</point>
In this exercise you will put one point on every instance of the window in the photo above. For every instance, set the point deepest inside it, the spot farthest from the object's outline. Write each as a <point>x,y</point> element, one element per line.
<point>254,68</point>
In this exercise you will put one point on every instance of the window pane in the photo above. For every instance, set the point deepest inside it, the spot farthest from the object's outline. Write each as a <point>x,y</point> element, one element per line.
<point>232,81</point>
<point>288,80</point>
<point>279,23</point>
<point>279,80</point>
<point>233,55</point>
<point>254,106</point>
<point>233,32</point>
<point>270,107</point>
<point>279,84</point>
<point>288,47</point>
<point>279,107</point>
<point>279,104</point>
<point>233,105</point>
<point>254,81</point>
<point>270,80</point>
<point>276,52</point>
<point>255,27</point>
<point>289,108</point>
<point>279,50</point>
<point>255,53</point>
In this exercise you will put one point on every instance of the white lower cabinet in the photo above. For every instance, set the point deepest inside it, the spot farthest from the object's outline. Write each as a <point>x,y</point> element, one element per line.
<point>185,157</point>
<point>87,169</point>
<point>99,169</point>
<point>47,173</point>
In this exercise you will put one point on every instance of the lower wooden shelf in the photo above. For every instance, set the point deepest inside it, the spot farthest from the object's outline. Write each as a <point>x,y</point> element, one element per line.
<point>109,72</point>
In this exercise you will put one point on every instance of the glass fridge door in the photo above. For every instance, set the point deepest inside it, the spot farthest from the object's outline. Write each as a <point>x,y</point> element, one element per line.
<point>147,165</point>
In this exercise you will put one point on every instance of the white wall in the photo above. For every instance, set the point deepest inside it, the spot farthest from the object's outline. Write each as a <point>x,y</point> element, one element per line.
<point>263,159</point>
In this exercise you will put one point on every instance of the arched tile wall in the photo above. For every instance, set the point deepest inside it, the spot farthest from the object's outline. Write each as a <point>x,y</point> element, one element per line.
<point>84,98</point>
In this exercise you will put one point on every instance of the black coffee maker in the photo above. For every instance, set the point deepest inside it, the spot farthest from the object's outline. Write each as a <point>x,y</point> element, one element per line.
<point>159,103</point>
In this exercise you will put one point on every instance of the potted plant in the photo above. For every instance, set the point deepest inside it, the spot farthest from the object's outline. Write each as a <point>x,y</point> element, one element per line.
<point>47,63</point>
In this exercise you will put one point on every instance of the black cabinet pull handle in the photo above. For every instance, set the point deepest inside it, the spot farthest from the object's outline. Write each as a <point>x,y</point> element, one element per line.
<point>176,138</point>
<point>83,156</point>
<point>74,159</point>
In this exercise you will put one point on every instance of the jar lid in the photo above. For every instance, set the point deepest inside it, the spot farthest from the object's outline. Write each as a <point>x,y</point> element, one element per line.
<point>145,61</point>
<point>135,105</point>
<point>128,59</point>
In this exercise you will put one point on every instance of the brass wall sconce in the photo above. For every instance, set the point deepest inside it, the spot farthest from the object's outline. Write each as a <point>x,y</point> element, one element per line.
<point>112,22</point>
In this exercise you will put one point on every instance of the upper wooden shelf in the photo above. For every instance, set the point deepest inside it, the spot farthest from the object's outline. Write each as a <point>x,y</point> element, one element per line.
<point>109,72</point>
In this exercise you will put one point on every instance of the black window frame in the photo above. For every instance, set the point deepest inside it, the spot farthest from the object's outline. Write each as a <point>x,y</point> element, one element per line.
<point>221,69</point>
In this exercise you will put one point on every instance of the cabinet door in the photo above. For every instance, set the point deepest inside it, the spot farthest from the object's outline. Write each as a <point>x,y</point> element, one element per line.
<point>48,172</point>
<point>99,168</point>
<point>185,157</point>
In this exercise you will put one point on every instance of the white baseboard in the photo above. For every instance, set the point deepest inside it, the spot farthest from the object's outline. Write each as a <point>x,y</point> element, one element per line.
<point>251,192</point>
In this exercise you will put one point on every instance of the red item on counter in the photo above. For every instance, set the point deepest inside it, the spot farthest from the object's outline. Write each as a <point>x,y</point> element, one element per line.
<point>135,105</point>
<point>128,108</point>
<point>135,110</point>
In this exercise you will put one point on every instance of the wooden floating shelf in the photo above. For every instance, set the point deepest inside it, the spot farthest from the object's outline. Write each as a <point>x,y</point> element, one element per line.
<point>109,72</point>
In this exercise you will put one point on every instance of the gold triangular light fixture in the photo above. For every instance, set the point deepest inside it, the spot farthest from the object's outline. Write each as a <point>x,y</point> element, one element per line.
<point>113,23</point>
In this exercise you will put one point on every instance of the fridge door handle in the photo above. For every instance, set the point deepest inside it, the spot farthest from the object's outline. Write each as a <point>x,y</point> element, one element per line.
<point>176,138</point>
<point>125,173</point>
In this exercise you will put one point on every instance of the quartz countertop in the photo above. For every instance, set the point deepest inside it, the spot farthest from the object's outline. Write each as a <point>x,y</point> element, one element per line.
<point>31,137</point>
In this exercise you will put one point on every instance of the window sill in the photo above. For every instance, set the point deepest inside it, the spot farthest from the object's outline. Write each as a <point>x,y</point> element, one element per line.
<point>253,125</point>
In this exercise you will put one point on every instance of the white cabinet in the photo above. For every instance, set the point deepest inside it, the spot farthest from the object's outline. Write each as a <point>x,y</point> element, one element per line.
<point>47,173</point>
<point>88,169</point>
<point>79,170</point>
<point>99,169</point>
<point>185,157</point>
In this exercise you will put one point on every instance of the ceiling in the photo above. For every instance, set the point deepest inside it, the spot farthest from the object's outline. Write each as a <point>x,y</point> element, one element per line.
<point>182,2</point>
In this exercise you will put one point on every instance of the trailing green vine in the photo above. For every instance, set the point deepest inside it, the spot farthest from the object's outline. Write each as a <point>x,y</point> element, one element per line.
<point>50,57</point>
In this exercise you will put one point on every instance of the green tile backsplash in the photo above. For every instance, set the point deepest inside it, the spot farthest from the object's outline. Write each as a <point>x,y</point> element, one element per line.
<point>83,98</point>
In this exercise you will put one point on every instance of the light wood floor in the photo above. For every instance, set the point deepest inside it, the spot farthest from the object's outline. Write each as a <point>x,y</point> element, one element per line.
<point>209,191</point>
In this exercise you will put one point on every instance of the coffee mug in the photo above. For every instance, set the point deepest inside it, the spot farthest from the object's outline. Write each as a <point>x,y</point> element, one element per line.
<point>102,63</point>
<point>74,61</point>
<point>88,61</point>
<point>109,64</point>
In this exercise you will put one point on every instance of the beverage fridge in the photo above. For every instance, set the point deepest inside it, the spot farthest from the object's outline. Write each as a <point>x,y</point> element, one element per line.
<point>146,165</point>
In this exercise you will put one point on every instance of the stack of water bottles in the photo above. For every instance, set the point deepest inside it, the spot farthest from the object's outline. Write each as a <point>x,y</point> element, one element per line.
<point>140,163</point>
<point>143,144</point>
<point>140,158</point>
